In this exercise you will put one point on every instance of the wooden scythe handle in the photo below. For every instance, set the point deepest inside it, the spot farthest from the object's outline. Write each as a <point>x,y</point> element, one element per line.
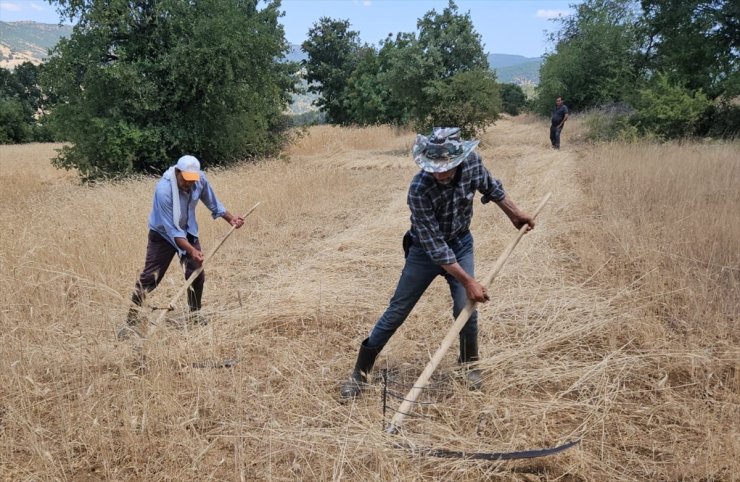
<point>195,274</point>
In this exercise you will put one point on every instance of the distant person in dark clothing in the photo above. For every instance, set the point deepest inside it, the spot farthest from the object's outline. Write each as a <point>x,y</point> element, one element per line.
<point>559,116</point>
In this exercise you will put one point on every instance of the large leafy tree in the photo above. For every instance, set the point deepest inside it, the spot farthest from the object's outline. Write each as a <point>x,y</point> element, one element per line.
<point>140,82</point>
<point>459,88</point>
<point>596,57</point>
<point>15,113</point>
<point>15,127</point>
<point>411,79</point>
<point>469,99</point>
<point>367,101</point>
<point>333,52</point>
<point>405,71</point>
<point>695,43</point>
<point>450,42</point>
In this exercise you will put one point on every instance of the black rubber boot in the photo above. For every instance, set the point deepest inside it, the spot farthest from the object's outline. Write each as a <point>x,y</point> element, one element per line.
<point>365,361</point>
<point>468,355</point>
<point>195,295</point>
<point>132,320</point>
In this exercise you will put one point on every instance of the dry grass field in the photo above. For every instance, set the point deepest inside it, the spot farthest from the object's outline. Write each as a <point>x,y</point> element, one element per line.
<point>615,321</point>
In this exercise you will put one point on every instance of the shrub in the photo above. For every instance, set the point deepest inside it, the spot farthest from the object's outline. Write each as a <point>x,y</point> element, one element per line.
<point>670,111</point>
<point>721,120</point>
<point>610,122</point>
<point>513,98</point>
<point>14,126</point>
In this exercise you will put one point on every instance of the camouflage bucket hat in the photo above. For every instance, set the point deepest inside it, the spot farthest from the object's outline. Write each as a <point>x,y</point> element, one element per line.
<point>441,151</point>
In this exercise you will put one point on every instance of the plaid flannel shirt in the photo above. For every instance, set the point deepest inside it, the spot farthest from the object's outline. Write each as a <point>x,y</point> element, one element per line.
<point>441,213</point>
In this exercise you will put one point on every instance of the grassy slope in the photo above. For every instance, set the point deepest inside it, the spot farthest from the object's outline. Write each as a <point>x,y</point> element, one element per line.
<point>31,39</point>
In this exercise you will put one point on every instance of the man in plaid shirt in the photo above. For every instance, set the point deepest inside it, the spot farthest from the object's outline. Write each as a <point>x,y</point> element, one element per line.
<point>439,243</point>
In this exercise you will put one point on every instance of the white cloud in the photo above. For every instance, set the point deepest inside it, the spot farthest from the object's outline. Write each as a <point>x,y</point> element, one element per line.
<point>10,7</point>
<point>37,7</point>
<point>367,3</point>
<point>551,13</point>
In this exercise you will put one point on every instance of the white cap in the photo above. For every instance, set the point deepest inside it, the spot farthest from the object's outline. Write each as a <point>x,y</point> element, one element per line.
<point>189,167</point>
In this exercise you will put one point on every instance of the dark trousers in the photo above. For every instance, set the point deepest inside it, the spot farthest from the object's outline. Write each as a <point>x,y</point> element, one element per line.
<point>159,254</point>
<point>555,135</point>
<point>418,273</point>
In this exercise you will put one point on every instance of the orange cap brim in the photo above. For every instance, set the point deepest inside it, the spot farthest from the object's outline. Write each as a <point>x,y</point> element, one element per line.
<point>190,176</point>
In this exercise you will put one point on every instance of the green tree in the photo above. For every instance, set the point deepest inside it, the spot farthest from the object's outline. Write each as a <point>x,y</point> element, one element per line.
<point>451,46</point>
<point>451,65</point>
<point>367,99</point>
<point>596,57</point>
<point>14,115</point>
<point>28,76</point>
<point>695,43</point>
<point>141,82</point>
<point>410,79</point>
<point>333,52</point>
<point>404,72</point>
<point>14,125</point>
<point>469,99</point>
<point>512,98</point>
<point>450,42</point>
<point>23,105</point>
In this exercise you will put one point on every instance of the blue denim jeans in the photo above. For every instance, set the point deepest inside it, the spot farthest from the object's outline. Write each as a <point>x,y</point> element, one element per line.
<point>555,136</point>
<point>418,273</point>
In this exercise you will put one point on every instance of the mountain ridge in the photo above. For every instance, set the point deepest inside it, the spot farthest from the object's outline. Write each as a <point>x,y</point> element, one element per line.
<point>28,41</point>
<point>509,68</point>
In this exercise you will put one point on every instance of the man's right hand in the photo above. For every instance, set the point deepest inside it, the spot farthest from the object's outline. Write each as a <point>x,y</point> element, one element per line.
<point>197,256</point>
<point>190,251</point>
<point>476,292</point>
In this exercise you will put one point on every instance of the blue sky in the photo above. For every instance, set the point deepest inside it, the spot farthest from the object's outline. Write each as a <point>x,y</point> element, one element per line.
<point>506,26</point>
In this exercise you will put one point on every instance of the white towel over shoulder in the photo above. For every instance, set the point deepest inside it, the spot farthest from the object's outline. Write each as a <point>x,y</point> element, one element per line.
<point>170,174</point>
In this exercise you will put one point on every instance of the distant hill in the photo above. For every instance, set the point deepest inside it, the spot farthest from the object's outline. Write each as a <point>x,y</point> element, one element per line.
<point>515,69</point>
<point>28,41</point>
<point>499,61</point>
<point>522,74</point>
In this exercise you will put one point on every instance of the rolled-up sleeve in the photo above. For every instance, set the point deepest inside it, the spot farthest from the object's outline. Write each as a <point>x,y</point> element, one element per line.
<point>208,197</point>
<point>427,228</point>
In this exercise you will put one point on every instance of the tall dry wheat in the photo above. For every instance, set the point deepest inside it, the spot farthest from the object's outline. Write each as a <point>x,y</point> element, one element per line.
<point>615,321</point>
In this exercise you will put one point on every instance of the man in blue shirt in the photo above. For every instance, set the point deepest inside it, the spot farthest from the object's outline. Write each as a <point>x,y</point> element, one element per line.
<point>439,243</point>
<point>559,116</point>
<point>173,229</point>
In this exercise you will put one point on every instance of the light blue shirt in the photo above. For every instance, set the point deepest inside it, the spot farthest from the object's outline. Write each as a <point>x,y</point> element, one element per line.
<point>160,220</point>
